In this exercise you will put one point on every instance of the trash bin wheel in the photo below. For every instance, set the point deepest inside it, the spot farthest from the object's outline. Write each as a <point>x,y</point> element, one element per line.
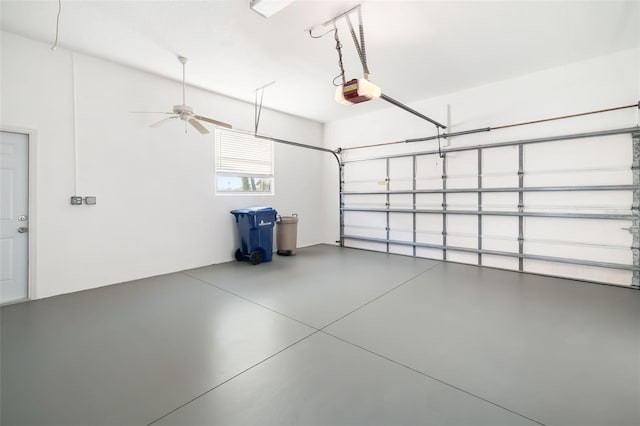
<point>256,257</point>
<point>239,256</point>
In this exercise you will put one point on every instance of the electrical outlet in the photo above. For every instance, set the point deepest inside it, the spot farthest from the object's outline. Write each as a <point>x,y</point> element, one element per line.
<point>90,201</point>
<point>76,201</point>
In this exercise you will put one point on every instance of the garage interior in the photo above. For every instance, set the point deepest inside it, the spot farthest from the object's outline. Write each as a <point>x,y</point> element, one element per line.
<point>467,185</point>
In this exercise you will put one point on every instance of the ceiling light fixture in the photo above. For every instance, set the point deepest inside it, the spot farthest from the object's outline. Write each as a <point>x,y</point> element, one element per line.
<point>268,8</point>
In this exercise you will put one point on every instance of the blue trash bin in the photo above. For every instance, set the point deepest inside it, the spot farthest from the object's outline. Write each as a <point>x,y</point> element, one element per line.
<point>255,226</point>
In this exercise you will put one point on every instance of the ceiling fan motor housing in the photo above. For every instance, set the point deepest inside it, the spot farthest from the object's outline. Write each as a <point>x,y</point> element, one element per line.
<point>179,109</point>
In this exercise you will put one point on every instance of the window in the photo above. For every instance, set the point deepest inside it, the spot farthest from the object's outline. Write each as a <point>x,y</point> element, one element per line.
<point>244,163</point>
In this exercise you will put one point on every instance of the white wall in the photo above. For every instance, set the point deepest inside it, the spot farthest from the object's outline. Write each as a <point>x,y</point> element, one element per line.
<point>603,82</point>
<point>156,210</point>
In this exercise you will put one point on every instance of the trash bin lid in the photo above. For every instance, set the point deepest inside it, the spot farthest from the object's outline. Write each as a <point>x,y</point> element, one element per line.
<point>253,210</point>
<point>288,219</point>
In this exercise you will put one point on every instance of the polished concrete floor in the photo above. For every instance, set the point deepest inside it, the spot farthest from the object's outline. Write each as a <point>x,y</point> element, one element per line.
<point>329,337</point>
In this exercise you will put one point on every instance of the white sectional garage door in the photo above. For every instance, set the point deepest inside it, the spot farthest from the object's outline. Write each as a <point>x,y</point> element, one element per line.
<point>560,207</point>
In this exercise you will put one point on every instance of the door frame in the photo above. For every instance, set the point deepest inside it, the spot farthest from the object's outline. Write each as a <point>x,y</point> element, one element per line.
<point>32,261</point>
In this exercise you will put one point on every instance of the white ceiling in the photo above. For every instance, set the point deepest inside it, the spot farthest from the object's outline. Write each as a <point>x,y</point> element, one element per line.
<point>415,49</point>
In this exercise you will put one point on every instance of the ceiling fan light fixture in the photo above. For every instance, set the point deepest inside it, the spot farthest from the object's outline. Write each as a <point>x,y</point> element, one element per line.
<point>356,91</point>
<point>268,8</point>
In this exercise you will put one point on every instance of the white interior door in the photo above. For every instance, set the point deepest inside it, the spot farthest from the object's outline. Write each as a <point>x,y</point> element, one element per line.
<point>14,210</point>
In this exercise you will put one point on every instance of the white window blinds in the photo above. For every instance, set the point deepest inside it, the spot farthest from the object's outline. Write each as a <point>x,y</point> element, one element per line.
<point>242,154</point>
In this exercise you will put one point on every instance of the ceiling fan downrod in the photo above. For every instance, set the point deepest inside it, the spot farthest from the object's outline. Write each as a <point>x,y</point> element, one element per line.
<point>183,61</point>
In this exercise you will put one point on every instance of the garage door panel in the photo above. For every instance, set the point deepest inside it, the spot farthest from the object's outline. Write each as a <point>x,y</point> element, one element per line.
<point>500,167</point>
<point>365,176</point>
<point>401,226</point>
<point>501,262</point>
<point>579,272</point>
<point>601,161</point>
<point>500,202</point>
<point>514,173</point>
<point>467,202</point>
<point>429,201</point>
<point>462,169</point>
<point>462,231</point>
<point>401,201</point>
<point>365,201</point>
<point>428,172</point>
<point>461,257</point>
<point>401,249</point>
<point>614,202</point>
<point>500,233</point>
<point>400,173</point>
<point>429,253</point>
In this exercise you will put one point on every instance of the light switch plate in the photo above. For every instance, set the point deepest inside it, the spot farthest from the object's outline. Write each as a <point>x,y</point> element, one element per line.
<point>76,201</point>
<point>90,200</point>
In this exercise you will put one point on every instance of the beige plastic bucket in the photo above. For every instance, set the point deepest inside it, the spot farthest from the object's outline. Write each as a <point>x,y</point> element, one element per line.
<point>287,235</point>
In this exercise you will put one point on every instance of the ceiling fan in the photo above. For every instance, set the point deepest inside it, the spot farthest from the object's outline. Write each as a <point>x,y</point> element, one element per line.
<point>185,112</point>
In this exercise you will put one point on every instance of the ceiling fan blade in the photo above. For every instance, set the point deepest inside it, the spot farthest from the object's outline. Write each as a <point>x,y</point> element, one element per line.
<point>163,121</point>
<point>215,122</point>
<point>199,127</point>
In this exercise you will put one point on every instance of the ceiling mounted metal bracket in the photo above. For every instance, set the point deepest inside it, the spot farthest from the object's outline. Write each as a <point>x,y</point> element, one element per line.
<point>333,20</point>
<point>257,106</point>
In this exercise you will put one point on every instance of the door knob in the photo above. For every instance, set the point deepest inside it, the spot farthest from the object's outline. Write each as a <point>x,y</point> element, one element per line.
<point>22,230</point>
